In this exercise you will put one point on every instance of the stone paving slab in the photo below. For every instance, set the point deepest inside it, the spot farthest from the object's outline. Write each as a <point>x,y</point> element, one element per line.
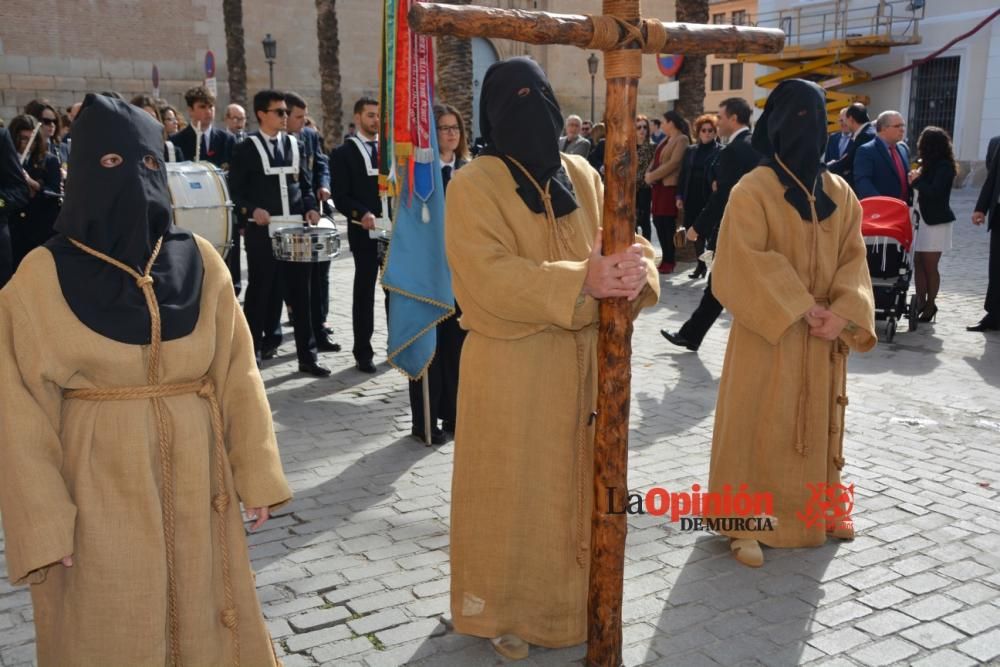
<point>355,570</point>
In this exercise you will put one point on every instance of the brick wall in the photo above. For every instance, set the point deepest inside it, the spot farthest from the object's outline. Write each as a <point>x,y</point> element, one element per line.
<point>61,50</point>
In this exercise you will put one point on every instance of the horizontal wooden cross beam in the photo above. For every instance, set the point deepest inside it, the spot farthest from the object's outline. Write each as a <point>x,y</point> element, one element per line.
<point>602,33</point>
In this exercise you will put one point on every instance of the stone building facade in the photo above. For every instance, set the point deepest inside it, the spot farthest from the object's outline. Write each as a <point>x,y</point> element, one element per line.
<point>60,50</point>
<point>726,77</point>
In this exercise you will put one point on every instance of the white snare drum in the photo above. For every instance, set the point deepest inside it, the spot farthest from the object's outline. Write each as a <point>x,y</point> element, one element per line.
<point>201,201</point>
<point>306,244</point>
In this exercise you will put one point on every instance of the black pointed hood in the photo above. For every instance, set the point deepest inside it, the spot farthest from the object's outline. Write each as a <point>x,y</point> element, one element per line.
<point>117,202</point>
<point>793,127</point>
<point>520,118</point>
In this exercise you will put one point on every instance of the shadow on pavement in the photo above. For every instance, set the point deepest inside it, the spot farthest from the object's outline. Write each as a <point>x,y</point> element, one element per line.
<point>712,598</point>
<point>688,397</point>
<point>316,513</point>
<point>988,364</point>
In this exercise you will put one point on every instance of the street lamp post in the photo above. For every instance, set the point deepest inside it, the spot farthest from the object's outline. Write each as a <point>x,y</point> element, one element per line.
<point>270,51</point>
<point>592,66</point>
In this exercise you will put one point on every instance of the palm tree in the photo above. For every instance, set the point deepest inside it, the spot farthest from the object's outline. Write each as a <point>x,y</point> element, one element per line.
<point>236,53</point>
<point>331,98</point>
<point>454,71</point>
<point>691,76</point>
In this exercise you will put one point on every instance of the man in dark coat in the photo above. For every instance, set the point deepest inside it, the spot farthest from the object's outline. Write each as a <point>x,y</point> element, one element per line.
<point>735,160</point>
<point>881,166</point>
<point>318,166</point>
<point>838,142</point>
<point>859,125</point>
<point>13,196</point>
<point>988,207</point>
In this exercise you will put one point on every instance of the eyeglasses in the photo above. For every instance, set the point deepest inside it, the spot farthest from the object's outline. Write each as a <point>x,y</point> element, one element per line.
<point>47,121</point>
<point>280,112</point>
<point>449,128</point>
<point>707,130</point>
<point>642,127</point>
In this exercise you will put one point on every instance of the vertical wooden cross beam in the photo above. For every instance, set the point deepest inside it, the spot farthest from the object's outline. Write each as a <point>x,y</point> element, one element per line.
<point>624,36</point>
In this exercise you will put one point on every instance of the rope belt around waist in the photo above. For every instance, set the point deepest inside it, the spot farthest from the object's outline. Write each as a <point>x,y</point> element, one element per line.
<point>205,389</point>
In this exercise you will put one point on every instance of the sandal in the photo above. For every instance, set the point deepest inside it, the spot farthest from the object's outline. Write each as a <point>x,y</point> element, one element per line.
<point>843,530</point>
<point>747,552</point>
<point>511,647</point>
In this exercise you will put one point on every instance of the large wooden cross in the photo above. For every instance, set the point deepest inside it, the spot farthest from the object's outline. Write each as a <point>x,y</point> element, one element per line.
<point>624,36</point>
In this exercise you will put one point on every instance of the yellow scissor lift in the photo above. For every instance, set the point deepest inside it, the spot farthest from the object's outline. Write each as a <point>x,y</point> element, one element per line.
<point>825,40</point>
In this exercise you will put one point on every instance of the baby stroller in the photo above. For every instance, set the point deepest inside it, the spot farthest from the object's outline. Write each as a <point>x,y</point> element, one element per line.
<point>888,234</point>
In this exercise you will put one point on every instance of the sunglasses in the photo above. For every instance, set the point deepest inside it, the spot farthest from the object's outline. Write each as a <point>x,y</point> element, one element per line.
<point>707,130</point>
<point>280,112</point>
<point>47,121</point>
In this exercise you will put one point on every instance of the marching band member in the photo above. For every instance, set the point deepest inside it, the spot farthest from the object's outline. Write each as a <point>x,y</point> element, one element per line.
<point>318,166</point>
<point>171,153</point>
<point>32,226</point>
<point>268,157</point>
<point>215,144</point>
<point>199,141</point>
<point>354,171</point>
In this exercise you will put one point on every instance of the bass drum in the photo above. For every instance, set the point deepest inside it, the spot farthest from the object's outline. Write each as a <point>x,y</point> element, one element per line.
<point>201,201</point>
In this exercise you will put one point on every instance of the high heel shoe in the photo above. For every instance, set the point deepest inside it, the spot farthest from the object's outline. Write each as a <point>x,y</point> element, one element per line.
<point>697,273</point>
<point>928,313</point>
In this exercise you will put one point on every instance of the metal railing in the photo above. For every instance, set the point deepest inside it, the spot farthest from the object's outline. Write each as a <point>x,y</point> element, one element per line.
<point>841,19</point>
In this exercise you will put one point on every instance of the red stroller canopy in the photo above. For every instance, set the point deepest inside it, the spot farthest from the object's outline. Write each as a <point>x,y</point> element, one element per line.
<point>887,216</point>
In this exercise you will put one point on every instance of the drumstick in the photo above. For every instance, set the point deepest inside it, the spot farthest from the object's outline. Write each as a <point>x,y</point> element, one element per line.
<point>31,140</point>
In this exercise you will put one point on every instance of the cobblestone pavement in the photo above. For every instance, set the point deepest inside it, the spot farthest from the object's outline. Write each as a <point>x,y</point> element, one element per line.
<point>355,571</point>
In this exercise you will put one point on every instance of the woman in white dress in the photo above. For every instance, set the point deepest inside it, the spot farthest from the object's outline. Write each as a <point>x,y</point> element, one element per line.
<point>932,180</point>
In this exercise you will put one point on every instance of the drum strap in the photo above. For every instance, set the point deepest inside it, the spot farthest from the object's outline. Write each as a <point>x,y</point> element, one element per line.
<point>365,155</point>
<point>280,172</point>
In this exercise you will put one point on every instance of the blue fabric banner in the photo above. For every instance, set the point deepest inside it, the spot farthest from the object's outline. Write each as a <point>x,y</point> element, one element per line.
<point>416,273</point>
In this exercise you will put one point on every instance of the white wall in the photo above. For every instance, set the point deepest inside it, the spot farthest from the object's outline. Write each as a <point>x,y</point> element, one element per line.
<point>978,108</point>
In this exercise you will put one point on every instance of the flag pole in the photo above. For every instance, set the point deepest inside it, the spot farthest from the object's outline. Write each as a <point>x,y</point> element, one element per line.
<point>428,427</point>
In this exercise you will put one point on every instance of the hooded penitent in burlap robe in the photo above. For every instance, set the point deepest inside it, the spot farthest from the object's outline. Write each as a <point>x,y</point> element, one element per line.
<point>523,481</point>
<point>82,474</point>
<point>779,423</point>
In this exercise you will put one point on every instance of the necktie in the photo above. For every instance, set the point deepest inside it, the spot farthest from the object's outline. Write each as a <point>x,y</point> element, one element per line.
<point>275,150</point>
<point>204,143</point>
<point>445,174</point>
<point>373,150</point>
<point>900,171</point>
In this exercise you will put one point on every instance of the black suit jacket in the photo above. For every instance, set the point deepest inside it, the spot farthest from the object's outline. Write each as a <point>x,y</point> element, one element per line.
<point>934,185</point>
<point>317,162</point>
<point>251,188</point>
<point>13,187</point>
<point>737,159</point>
<point>844,167</point>
<point>987,202</point>
<point>220,149</point>
<point>354,192</point>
